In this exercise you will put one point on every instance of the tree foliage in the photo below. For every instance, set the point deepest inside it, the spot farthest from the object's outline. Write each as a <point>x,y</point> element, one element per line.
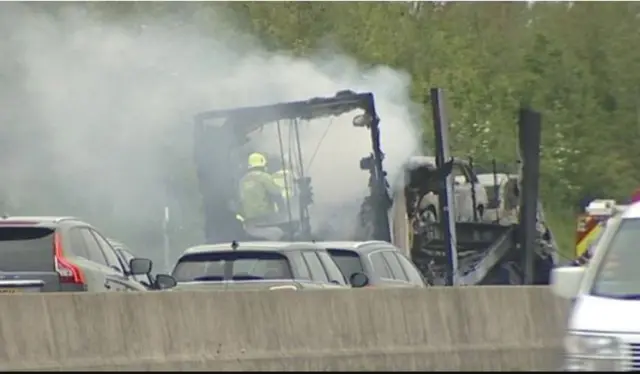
<point>574,62</point>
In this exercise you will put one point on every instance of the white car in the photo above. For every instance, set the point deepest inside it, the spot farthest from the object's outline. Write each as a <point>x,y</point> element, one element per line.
<point>503,201</point>
<point>464,182</point>
<point>603,332</point>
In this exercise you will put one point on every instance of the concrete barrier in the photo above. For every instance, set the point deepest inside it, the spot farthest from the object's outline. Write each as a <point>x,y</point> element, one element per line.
<point>472,328</point>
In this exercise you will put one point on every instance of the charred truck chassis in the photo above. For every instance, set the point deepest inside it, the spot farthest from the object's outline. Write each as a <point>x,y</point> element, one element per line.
<point>480,252</point>
<point>220,134</point>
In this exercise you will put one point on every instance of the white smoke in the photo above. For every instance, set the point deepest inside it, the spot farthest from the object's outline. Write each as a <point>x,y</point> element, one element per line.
<point>108,111</point>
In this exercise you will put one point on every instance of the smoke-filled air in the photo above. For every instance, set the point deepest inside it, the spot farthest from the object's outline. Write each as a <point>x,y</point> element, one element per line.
<point>98,117</point>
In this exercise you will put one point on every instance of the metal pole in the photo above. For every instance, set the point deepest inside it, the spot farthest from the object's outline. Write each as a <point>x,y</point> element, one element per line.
<point>445,196</point>
<point>167,244</point>
<point>496,189</point>
<point>474,202</point>
<point>529,133</point>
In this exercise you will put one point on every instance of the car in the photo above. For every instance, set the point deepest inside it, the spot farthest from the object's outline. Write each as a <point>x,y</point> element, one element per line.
<point>61,254</point>
<point>258,265</point>
<point>422,181</point>
<point>414,212</point>
<point>374,263</point>
<point>503,200</point>
<point>603,332</point>
<point>159,282</point>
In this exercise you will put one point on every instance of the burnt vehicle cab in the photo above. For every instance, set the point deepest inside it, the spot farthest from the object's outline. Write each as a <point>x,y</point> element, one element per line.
<point>258,265</point>
<point>225,138</point>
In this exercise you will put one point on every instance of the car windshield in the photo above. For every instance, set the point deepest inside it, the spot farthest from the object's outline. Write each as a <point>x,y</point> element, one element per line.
<point>233,265</point>
<point>348,261</point>
<point>617,275</point>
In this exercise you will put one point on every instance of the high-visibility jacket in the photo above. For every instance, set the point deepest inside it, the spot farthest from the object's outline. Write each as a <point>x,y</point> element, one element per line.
<point>288,188</point>
<point>257,191</point>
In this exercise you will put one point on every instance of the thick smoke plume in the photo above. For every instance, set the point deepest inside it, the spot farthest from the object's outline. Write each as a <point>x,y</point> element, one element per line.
<point>100,116</point>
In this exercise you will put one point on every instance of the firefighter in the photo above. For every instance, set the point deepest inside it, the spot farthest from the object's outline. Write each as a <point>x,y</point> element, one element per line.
<point>260,196</point>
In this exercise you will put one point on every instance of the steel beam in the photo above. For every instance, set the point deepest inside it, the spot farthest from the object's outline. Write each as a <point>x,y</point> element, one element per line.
<point>529,131</point>
<point>445,195</point>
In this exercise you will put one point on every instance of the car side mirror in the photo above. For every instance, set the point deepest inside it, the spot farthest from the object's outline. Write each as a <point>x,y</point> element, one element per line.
<point>140,266</point>
<point>359,280</point>
<point>566,281</point>
<point>164,282</point>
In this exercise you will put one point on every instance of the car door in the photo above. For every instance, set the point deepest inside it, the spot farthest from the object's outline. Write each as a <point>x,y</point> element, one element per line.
<point>462,193</point>
<point>318,273</point>
<point>397,271</point>
<point>332,270</point>
<point>120,276</point>
<point>385,270</point>
<point>412,272</point>
<point>76,250</point>
<point>92,259</point>
<point>111,276</point>
<point>301,270</point>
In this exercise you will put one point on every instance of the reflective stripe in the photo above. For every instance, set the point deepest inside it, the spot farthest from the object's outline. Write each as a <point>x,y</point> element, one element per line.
<point>586,238</point>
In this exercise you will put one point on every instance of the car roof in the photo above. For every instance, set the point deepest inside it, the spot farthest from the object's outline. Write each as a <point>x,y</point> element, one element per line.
<point>253,246</point>
<point>488,178</point>
<point>428,161</point>
<point>44,221</point>
<point>116,244</point>
<point>352,245</point>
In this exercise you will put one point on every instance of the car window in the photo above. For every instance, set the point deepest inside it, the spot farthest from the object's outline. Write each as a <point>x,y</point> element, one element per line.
<point>317,271</point>
<point>300,266</point>
<point>394,266</point>
<point>459,173</point>
<point>415,277</point>
<point>93,249</point>
<point>242,265</point>
<point>26,249</point>
<point>348,261</point>
<point>109,254</point>
<point>617,275</point>
<point>380,265</point>
<point>332,269</point>
<point>78,245</point>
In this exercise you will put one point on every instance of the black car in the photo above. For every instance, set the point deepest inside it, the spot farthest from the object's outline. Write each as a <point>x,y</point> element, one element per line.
<point>53,254</point>
<point>267,265</point>
<point>374,263</point>
<point>159,282</point>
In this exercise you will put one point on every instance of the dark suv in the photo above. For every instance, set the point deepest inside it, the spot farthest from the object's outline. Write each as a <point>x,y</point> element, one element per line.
<point>53,254</point>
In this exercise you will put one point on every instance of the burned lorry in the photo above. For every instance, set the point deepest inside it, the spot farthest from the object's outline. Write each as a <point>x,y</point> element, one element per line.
<point>224,139</point>
<point>406,214</point>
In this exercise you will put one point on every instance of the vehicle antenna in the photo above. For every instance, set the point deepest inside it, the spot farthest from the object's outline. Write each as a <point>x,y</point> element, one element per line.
<point>234,245</point>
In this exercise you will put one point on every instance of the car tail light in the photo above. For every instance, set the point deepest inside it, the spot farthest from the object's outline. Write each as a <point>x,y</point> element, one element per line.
<point>68,272</point>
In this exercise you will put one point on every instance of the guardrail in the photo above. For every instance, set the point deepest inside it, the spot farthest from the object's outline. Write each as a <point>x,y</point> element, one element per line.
<point>467,328</point>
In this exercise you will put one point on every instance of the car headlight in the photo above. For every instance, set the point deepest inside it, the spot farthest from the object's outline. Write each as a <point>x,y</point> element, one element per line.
<point>592,353</point>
